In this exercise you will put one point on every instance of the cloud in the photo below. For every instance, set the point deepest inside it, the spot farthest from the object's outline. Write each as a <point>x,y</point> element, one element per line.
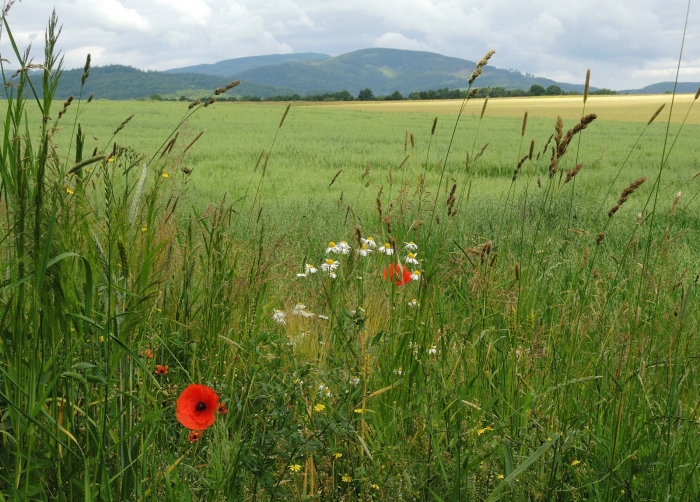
<point>626,43</point>
<point>398,41</point>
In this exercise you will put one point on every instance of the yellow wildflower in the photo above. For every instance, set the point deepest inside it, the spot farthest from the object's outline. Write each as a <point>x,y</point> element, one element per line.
<point>319,407</point>
<point>337,455</point>
<point>575,463</point>
<point>346,478</point>
<point>295,467</point>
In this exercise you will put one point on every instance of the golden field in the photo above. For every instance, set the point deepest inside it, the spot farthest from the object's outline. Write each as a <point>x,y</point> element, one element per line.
<point>617,107</point>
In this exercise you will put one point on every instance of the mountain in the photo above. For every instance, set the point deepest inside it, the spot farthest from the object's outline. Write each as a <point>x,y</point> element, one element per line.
<point>232,67</point>
<point>665,87</point>
<point>381,70</point>
<point>125,82</point>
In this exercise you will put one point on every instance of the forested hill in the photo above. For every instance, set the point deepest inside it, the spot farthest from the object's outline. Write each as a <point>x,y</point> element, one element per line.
<point>384,71</point>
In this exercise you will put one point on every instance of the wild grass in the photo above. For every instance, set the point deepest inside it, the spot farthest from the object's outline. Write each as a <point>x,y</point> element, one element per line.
<point>547,350</point>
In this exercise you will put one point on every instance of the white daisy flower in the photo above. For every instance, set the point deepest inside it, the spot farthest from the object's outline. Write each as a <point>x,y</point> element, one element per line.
<point>355,381</point>
<point>369,242</point>
<point>413,303</point>
<point>301,275</point>
<point>432,350</point>
<point>310,269</point>
<point>279,316</point>
<point>332,247</point>
<point>298,309</point>
<point>330,265</point>
<point>333,275</point>
<point>307,314</point>
<point>411,258</point>
<point>323,317</point>
<point>399,371</point>
<point>343,247</point>
<point>364,250</point>
<point>386,249</point>
<point>415,276</point>
<point>411,246</point>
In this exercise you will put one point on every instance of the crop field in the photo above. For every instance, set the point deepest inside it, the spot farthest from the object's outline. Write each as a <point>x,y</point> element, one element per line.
<point>350,301</point>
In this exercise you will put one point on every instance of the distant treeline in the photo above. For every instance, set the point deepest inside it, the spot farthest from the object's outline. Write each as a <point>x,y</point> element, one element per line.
<point>368,95</point>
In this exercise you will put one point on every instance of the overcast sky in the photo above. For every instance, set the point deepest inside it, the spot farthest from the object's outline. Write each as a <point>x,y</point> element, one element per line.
<point>625,43</point>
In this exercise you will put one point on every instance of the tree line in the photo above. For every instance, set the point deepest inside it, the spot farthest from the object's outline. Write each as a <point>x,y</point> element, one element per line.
<point>446,93</point>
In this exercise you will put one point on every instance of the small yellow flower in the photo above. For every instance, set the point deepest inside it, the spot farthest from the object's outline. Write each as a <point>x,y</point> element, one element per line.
<point>375,486</point>
<point>69,191</point>
<point>166,175</point>
<point>111,159</point>
<point>359,410</point>
<point>575,463</point>
<point>319,408</point>
<point>346,478</point>
<point>500,476</point>
<point>295,467</point>
<point>337,455</point>
<point>485,429</point>
<point>144,228</point>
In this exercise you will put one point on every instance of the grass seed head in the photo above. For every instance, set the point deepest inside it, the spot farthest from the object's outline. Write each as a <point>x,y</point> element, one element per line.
<point>656,113</point>
<point>585,86</point>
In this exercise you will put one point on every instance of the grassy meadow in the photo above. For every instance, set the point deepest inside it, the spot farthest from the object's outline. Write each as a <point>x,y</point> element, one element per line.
<point>539,343</point>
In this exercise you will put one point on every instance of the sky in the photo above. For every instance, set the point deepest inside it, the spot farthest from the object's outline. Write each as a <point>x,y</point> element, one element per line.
<point>627,44</point>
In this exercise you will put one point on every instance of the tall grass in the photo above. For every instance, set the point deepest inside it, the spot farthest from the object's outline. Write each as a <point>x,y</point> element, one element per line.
<point>544,349</point>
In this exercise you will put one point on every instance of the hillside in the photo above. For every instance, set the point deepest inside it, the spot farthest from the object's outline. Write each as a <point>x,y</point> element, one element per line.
<point>385,71</point>
<point>381,70</point>
<point>232,67</point>
<point>125,82</point>
<point>665,87</point>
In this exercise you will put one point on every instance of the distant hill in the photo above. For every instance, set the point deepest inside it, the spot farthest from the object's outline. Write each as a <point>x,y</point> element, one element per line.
<point>665,87</point>
<point>125,82</point>
<point>381,70</point>
<point>385,71</point>
<point>232,67</point>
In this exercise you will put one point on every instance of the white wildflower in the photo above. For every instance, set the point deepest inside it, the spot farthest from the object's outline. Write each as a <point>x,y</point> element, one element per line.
<point>343,247</point>
<point>364,250</point>
<point>330,265</point>
<point>279,316</point>
<point>411,246</point>
<point>386,249</point>
<point>412,258</point>
<point>369,242</point>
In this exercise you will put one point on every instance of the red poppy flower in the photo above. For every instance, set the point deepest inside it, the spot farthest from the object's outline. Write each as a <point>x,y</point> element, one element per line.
<point>161,369</point>
<point>400,275</point>
<point>148,354</point>
<point>222,408</point>
<point>194,435</point>
<point>196,407</point>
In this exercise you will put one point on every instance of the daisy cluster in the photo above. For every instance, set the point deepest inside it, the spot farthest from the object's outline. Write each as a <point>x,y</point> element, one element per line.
<point>397,273</point>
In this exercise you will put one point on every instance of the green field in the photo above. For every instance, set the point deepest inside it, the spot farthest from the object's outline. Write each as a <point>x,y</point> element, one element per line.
<point>544,348</point>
